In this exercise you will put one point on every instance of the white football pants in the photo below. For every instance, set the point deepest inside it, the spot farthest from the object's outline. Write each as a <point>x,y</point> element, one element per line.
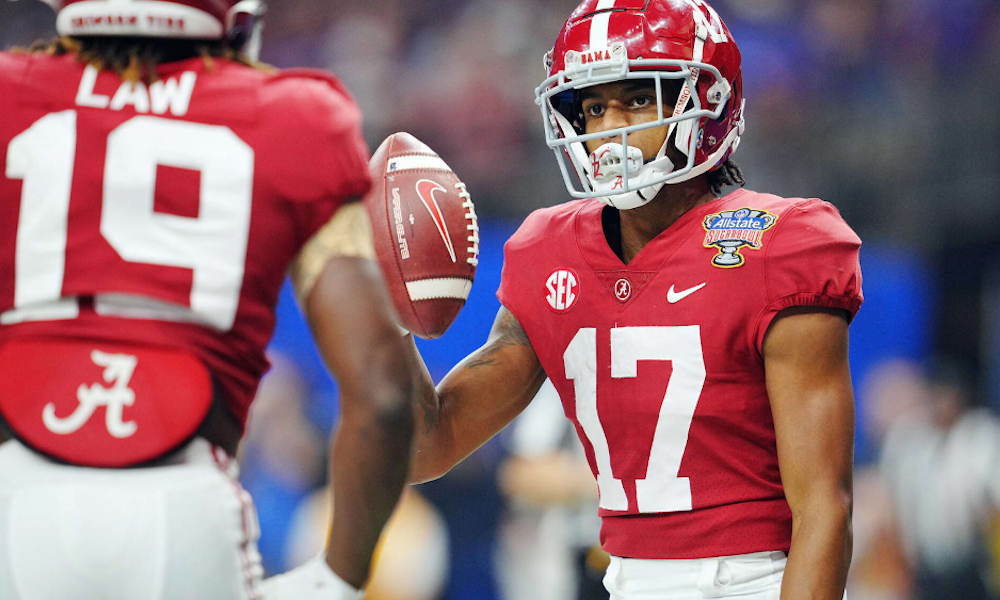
<point>746,577</point>
<point>182,530</point>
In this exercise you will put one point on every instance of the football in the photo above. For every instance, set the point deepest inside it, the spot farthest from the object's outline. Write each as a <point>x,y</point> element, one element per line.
<point>426,233</point>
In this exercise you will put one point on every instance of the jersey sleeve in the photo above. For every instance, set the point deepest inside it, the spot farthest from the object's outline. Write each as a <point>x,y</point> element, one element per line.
<point>504,293</point>
<point>323,159</point>
<point>12,67</point>
<point>521,243</point>
<point>811,260</point>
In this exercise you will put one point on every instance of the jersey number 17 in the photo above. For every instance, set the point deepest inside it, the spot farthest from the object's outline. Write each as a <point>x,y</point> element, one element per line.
<point>661,490</point>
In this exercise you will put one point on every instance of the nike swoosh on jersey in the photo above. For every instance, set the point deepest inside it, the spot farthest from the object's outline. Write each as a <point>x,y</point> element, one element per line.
<point>674,297</point>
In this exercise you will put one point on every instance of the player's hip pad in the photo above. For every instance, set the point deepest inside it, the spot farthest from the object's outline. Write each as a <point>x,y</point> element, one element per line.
<point>100,404</point>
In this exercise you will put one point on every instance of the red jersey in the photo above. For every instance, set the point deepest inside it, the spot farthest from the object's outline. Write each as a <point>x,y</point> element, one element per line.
<point>166,214</point>
<point>658,362</point>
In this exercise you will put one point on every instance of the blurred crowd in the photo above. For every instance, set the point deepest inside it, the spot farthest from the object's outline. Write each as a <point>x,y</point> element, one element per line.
<point>884,107</point>
<point>887,108</point>
<point>927,513</point>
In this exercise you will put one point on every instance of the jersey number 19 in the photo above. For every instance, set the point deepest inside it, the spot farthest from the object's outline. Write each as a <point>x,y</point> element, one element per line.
<point>213,244</point>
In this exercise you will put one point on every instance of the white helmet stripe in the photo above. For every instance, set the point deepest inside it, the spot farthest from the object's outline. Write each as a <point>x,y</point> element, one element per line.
<point>599,25</point>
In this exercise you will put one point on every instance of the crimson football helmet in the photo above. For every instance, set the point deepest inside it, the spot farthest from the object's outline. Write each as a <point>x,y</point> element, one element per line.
<point>238,21</point>
<point>603,41</point>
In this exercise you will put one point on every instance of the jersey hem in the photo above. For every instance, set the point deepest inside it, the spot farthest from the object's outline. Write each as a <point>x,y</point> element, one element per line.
<point>646,548</point>
<point>741,528</point>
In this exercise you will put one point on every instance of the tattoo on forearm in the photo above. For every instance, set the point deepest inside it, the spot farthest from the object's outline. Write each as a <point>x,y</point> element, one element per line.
<point>507,332</point>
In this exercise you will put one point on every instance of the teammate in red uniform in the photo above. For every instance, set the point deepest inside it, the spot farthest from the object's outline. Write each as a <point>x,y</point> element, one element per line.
<point>157,187</point>
<point>698,343</point>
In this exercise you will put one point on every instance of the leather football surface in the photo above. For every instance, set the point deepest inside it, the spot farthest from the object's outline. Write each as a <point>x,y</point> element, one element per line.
<point>426,233</point>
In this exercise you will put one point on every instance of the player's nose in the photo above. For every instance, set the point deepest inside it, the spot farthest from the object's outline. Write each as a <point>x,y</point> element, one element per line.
<point>614,117</point>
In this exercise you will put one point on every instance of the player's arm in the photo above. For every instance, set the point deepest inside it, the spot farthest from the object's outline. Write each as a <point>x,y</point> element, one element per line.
<point>812,402</point>
<point>477,399</point>
<point>348,308</point>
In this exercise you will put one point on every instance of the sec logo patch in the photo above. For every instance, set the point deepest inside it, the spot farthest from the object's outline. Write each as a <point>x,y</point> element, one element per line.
<point>563,287</point>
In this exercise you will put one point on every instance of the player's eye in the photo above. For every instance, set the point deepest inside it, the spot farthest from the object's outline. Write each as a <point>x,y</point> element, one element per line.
<point>594,111</point>
<point>643,101</point>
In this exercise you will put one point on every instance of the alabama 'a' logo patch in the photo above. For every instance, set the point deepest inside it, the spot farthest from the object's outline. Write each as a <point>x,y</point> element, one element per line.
<point>563,288</point>
<point>731,230</point>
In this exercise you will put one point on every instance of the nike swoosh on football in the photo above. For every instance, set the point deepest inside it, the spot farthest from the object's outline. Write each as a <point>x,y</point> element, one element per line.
<point>425,191</point>
<point>673,297</point>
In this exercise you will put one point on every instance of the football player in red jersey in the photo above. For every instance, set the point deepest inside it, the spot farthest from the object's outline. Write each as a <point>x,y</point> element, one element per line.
<point>157,187</point>
<point>698,341</point>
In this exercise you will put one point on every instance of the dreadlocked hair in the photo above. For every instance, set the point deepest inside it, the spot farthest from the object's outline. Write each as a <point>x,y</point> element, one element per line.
<point>137,58</point>
<point>726,175</point>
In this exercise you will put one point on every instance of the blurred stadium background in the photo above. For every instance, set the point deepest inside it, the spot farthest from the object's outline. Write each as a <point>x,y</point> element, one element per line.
<point>890,109</point>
